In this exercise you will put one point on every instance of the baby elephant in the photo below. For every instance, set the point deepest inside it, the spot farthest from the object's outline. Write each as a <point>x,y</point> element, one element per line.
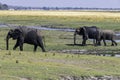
<point>107,35</point>
<point>24,35</point>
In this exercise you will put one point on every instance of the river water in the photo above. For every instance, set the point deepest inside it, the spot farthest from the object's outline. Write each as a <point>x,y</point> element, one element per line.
<point>54,29</point>
<point>42,28</point>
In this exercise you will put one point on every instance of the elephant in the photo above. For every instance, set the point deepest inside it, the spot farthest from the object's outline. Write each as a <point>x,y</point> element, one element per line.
<point>107,35</point>
<point>87,33</point>
<point>23,35</point>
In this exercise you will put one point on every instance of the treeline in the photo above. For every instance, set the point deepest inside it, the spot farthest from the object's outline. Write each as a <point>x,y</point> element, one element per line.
<point>59,8</point>
<point>3,6</point>
<point>76,8</point>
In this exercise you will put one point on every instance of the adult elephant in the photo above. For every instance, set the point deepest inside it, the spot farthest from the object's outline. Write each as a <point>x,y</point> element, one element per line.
<point>25,35</point>
<point>87,33</point>
<point>107,35</point>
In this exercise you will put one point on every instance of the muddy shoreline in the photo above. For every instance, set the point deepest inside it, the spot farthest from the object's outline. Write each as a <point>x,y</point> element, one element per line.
<point>111,53</point>
<point>90,78</point>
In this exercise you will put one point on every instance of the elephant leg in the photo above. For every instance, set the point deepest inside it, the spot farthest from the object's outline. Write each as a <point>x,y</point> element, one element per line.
<point>113,42</point>
<point>84,42</point>
<point>19,43</point>
<point>99,42</point>
<point>21,47</point>
<point>43,49</point>
<point>104,42</point>
<point>40,43</point>
<point>96,42</point>
<point>35,48</point>
<point>16,45</point>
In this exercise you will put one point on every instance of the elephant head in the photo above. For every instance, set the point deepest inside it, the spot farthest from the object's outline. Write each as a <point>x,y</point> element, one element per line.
<point>13,33</point>
<point>80,31</point>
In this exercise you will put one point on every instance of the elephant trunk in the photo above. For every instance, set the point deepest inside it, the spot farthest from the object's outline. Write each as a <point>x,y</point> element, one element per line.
<point>7,42</point>
<point>75,38</point>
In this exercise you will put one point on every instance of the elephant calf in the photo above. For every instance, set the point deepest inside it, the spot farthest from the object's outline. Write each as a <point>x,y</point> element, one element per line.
<point>25,35</point>
<point>107,35</point>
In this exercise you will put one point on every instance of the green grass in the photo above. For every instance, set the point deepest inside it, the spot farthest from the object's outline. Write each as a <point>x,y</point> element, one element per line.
<point>41,66</point>
<point>15,65</point>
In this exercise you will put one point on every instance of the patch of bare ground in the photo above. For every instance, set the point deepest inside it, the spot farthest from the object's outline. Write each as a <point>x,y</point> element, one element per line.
<point>90,78</point>
<point>92,52</point>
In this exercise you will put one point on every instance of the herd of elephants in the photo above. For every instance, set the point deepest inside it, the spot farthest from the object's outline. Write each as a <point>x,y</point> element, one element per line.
<point>29,35</point>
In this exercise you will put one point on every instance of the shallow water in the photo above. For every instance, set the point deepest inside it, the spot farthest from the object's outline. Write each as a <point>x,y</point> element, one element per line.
<point>56,29</point>
<point>42,28</point>
<point>52,29</point>
<point>117,55</point>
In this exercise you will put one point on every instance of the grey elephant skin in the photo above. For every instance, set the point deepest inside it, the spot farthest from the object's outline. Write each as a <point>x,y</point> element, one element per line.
<point>25,35</point>
<point>87,33</point>
<point>107,35</point>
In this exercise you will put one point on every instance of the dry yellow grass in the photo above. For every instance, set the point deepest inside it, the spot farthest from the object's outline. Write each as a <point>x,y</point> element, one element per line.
<point>61,13</point>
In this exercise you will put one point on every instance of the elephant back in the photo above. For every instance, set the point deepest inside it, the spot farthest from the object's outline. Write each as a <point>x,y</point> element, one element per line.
<point>107,34</point>
<point>92,32</point>
<point>25,30</point>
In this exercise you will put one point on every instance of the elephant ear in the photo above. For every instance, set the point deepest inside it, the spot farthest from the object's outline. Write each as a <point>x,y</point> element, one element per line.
<point>17,31</point>
<point>77,31</point>
<point>84,31</point>
<point>10,33</point>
